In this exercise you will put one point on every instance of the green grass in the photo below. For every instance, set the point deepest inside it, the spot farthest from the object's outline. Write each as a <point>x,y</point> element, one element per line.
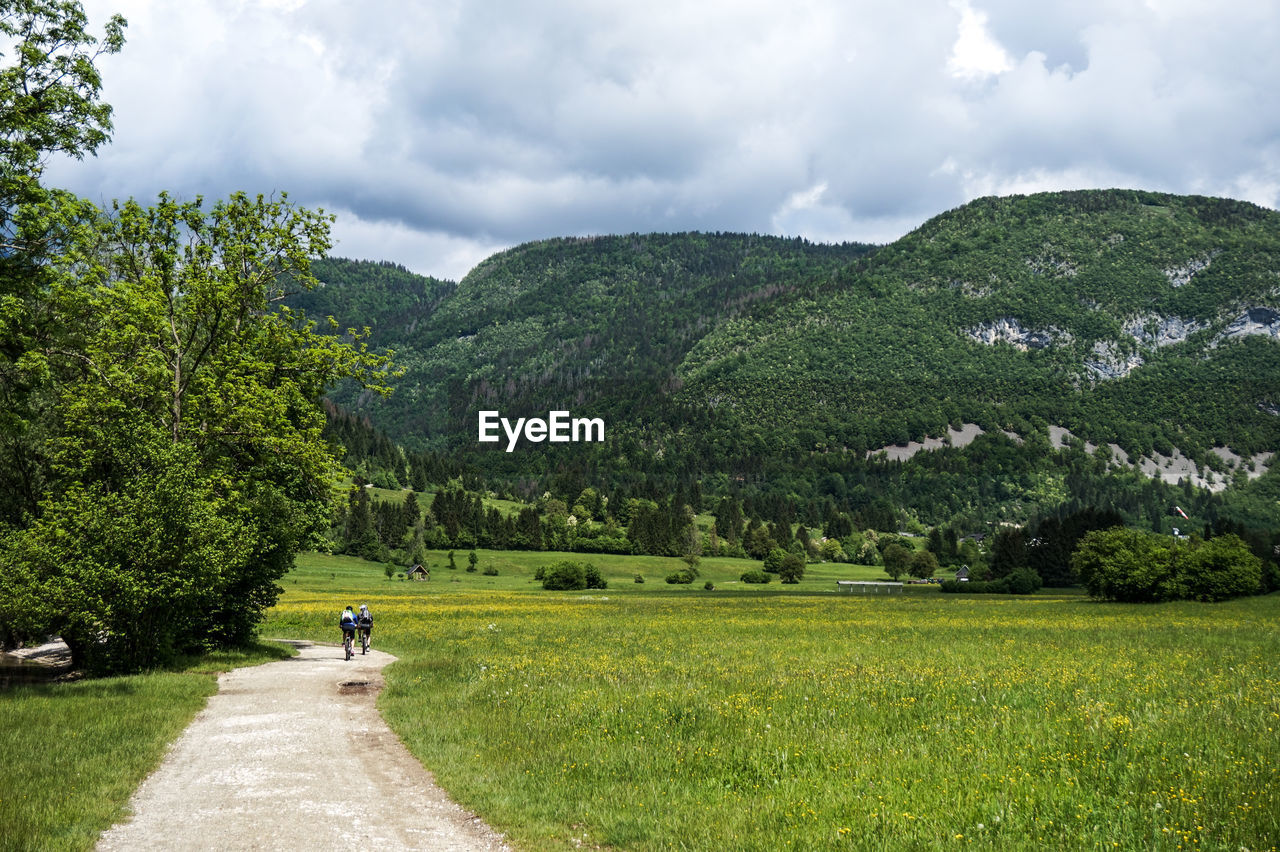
<point>74,752</point>
<point>516,570</point>
<point>652,718</point>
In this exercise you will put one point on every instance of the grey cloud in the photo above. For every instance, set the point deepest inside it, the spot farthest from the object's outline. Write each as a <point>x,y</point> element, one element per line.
<point>475,125</point>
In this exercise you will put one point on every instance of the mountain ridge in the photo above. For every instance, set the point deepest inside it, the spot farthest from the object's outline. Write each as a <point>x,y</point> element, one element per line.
<point>1141,321</point>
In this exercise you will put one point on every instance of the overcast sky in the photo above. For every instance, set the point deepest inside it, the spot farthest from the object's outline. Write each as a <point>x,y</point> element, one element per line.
<point>439,132</point>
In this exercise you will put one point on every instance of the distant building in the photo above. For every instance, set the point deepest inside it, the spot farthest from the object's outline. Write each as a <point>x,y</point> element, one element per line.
<point>417,572</point>
<point>962,573</point>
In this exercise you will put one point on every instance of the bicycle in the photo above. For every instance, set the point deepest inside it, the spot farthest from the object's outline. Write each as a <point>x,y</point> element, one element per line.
<point>348,637</point>
<point>364,640</point>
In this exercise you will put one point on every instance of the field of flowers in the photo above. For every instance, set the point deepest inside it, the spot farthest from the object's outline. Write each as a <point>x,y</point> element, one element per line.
<point>641,720</point>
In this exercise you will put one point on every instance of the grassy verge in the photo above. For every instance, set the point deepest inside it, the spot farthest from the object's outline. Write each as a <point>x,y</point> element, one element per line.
<point>74,752</point>
<point>654,719</point>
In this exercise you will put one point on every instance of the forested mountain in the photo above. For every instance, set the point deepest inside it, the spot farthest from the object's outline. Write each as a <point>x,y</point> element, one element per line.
<point>1147,325</point>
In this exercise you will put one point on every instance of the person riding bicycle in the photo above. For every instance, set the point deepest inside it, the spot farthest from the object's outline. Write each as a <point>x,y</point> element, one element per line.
<point>365,622</point>
<point>347,621</point>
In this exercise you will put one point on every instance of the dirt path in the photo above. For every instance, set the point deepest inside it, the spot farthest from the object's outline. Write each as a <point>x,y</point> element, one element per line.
<point>286,757</point>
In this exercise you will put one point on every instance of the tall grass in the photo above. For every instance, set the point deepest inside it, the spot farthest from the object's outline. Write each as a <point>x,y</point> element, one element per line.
<point>73,753</point>
<point>647,719</point>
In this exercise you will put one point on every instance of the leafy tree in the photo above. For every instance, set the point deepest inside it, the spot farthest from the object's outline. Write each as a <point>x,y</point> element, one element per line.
<point>187,433</point>
<point>923,565</point>
<point>792,568</point>
<point>49,106</point>
<point>1126,565</point>
<point>1218,569</point>
<point>773,561</point>
<point>831,551</point>
<point>759,543</point>
<point>897,559</point>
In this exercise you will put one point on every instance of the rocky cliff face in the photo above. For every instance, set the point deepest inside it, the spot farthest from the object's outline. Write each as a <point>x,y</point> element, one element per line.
<point>1011,331</point>
<point>1257,320</point>
<point>1157,331</point>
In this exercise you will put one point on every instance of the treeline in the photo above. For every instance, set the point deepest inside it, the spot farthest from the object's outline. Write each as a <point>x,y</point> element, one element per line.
<point>847,511</point>
<point>370,454</point>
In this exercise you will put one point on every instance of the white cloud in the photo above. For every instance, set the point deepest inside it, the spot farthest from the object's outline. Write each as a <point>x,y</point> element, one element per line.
<point>976,55</point>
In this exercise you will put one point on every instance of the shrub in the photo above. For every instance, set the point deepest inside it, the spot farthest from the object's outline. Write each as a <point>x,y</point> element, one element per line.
<point>1024,581</point>
<point>773,562</point>
<point>490,571</point>
<point>639,578</point>
<point>681,577</point>
<point>755,575</point>
<point>540,573</point>
<point>565,576</point>
<point>1218,569</point>
<point>709,586</point>
<point>594,579</point>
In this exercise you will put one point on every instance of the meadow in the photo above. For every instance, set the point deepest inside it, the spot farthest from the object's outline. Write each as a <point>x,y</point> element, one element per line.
<point>648,716</point>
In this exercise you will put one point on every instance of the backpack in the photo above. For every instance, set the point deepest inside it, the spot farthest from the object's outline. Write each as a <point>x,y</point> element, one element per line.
<point>365,621</point>
<point>347,617</point>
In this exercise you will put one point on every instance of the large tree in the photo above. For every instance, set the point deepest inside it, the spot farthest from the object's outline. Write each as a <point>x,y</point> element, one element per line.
<point>187,465</point>
<point>49,106</point>
<point>161,458</point>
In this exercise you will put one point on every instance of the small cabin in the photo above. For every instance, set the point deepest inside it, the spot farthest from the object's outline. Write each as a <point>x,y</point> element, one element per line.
<point>417,572</point>
<point>962,573</point>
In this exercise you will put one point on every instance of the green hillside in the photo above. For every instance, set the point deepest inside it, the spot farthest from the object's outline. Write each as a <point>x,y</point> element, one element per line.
<point>1147,325</point>
<point>1072,287</point>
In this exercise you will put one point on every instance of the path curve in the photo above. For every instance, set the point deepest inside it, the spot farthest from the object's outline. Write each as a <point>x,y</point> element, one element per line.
<point>285,757</point>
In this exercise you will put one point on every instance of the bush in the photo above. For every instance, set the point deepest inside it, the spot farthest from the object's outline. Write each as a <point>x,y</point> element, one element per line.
<point>639,578</point>
<point>1218,569</point>
<point>680,577</point>
<point>773,561</point>
<point>564,576</point>
<point>594,579</point>
<point>709,586</point>
<point>755,575</point>
<point>490,571</point>
<point>1024,581</point>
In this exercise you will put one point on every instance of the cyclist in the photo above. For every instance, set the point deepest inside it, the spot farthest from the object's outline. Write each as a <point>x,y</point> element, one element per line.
<point>347,621</point>
<point>365,622</point>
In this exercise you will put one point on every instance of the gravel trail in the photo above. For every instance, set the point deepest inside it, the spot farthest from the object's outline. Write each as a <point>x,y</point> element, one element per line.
<point>293,755</point>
